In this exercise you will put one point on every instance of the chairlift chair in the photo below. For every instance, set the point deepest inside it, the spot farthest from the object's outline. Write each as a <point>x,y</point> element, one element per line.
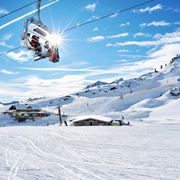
<point>38,38</point>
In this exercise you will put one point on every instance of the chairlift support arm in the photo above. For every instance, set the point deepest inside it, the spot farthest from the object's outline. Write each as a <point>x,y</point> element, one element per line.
<point>38,10</point>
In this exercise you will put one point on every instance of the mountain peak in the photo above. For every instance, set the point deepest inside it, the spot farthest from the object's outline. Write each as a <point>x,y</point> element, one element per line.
<point>118,80</point>
<point>97,83</point>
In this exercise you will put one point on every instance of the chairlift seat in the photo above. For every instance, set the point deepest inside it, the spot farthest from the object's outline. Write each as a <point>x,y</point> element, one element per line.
<point>38,32</point>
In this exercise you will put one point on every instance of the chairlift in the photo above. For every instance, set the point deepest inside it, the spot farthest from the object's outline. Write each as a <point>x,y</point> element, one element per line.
<point>38,38</point>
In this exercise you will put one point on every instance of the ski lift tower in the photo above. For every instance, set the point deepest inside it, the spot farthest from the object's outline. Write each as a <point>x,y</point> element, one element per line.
<point>60,117</point>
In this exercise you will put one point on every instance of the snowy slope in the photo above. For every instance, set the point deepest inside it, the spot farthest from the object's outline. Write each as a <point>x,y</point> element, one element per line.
<point>84,153</point>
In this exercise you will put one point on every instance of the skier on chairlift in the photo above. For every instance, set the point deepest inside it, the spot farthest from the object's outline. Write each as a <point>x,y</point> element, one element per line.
<point>37,37</point>
<point>36,45</point>
<point>47,49</point>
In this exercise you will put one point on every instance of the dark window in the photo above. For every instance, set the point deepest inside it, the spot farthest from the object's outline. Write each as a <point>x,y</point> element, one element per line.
<point>39,31</point>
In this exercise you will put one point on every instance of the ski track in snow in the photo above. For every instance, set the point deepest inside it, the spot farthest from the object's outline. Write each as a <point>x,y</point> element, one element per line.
<point>143,151</point>
<point>54,159</point>
<point>14,170</point>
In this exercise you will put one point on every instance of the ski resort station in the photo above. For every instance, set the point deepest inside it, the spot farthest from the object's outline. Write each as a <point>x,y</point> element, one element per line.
<point>23,113</point>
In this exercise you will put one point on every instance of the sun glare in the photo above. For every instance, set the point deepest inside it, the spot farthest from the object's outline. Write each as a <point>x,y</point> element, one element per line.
<point>56,39</point>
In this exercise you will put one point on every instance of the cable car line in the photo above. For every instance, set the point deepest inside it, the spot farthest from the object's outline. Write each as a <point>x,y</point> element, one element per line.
<point>16,10</point>
<point>14,49</point>
<point>108,15</point>
<point>90,21</point>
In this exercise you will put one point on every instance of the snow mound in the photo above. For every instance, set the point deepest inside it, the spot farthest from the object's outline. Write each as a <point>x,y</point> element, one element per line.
<point>151,103</point>
<point>175,91</point>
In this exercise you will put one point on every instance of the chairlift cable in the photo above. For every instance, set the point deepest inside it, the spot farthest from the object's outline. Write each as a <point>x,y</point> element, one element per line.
<point>16,10</point>
<point>90,21</point>
<point>108,15</point>
<point>14,49</point>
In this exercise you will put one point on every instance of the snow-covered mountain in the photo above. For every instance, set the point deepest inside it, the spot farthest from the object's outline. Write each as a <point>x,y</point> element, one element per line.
<point>153,96</point>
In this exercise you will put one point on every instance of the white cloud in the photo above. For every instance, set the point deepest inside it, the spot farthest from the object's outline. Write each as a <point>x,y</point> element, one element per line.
<point>149,9</point>
<point>166,52</point>
<point>114,15</point>
<point>118,35</point>
<point>8,92</point>
<point>156,24</point>
<point>133,56</point>
<point>154,59</point>
<point>4,71</point>
<point>21,56</point>
<point>157,36</point>
<point>132,43</point>
<point>124,24</point>
<point>96,39</point>
<point>111,45</point>
<point>5,38</point>
<point>93,18</point>
<point>158,57</point>
<point>3,11</point>
<point>95,29</point>
<point>141,34</point>
<point>176,10</point>
<point>161,56</point>
<point>91,7</point>
<point>177,23</point>
<point>64,69</point>
<point>167,38</point>
<point>122,50</point>
<point>101,38</point>
<point>33,86</point>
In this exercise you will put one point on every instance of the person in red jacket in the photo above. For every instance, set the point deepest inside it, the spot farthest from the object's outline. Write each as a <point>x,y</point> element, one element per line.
<point>54,57</point>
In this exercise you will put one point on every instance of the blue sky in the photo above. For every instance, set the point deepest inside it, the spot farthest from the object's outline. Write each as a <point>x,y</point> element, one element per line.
<point>126,45</point>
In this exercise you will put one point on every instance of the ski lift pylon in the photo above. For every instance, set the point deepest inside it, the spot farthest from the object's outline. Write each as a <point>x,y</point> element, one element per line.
<point>38,38</point>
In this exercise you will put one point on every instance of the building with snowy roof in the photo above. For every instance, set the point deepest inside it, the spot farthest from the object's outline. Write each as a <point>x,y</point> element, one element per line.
<point>24,112</point>
<point>91,120</point>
